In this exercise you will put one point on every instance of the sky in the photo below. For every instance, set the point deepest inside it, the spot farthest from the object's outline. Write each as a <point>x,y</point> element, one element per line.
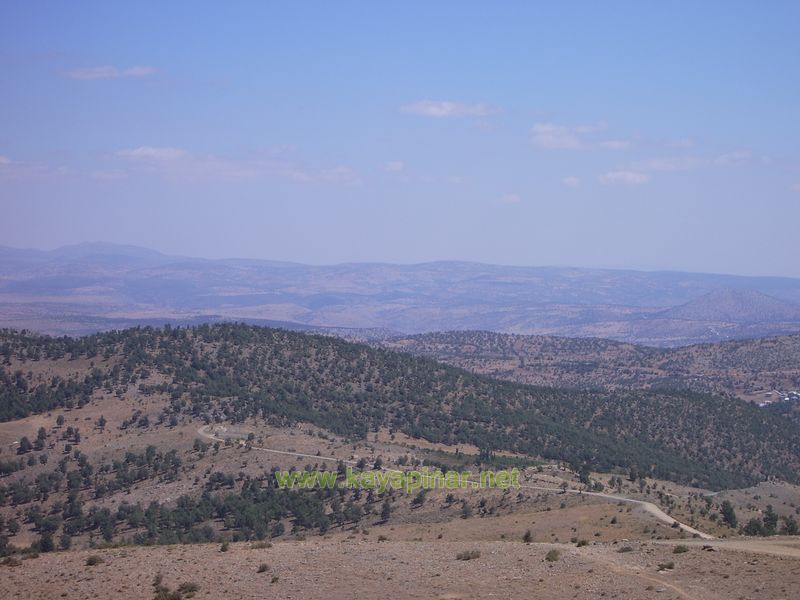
<point>617,134</point>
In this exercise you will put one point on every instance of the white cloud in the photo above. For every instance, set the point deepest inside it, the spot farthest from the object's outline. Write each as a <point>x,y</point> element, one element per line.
<point>394,166</point>
<point>689,163</point>
<point>25,169</point>
<point>510,199</point>
<point>549,135</point>
<point>734,158</point>
<point>571,181</point>
<point>624,178</point>
<point>679,163</point>
<point>109,72</point>
<point>153,153</point>
<point>340,174</point>
<point>563,137</point>
<point>139,72</point>
<point>616,144</point>
<point>109,175</point>
<point>682,143</point>
<point>442,109</point>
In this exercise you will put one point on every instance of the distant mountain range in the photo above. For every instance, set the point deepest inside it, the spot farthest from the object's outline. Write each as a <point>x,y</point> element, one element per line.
<point>90,287</point>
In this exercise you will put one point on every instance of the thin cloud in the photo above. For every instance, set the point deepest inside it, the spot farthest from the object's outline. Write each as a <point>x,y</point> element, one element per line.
<point>682,143</point>
<point>394,166</point>
<point>549,135</point>
<point>14,169</point>
<point>734,158</point>
<point>571,181</point>
<point>624,178</point>
<point>562,137</point>
<point>442,109</point>
<point>689,163</point>
<point>340,174</point>
<point>616,144</point>
<point>108,72</point>
<point>510,199</point>
<point>153,153</point>
<point>177,162</point>
<point>676,163</point>
<point>109,175</point>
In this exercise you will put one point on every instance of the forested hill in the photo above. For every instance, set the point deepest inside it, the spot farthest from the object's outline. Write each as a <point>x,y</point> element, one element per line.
<point>231,372</point>
<point>751,369</point>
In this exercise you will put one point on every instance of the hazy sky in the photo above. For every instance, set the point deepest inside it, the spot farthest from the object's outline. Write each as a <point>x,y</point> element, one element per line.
<point>620,134</point>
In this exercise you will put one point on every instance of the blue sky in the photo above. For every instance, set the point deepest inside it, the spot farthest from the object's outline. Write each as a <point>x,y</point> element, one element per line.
<point>615,134</point>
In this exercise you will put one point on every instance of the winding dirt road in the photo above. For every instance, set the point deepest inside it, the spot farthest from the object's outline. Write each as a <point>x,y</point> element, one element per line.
<point>649,507</point>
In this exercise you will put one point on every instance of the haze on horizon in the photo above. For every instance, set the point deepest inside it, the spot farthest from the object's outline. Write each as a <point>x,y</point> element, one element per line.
<point>619,136</point>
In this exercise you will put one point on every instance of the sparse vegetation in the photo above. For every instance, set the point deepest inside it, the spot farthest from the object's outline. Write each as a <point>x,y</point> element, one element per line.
<point>552,556</point>
<point>449,405</point>
<point>527,537</point>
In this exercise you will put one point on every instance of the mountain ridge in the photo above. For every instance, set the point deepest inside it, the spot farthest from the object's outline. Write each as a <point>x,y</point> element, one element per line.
<point>80,289</point>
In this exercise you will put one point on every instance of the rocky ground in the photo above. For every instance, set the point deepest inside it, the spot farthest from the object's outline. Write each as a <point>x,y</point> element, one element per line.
<point>359,566</point>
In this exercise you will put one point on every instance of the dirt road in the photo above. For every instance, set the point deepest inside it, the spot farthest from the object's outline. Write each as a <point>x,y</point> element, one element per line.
<point>648,507</point>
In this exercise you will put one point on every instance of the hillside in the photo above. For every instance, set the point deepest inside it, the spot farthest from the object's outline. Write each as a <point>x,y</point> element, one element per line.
<point>735,306</point>
<point>96,287</point>
<point>751,369</point>
<point>116,447</point>
<point>236,372</point>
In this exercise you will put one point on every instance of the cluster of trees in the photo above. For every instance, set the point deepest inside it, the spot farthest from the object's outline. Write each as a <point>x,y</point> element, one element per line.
<point>243,508</point>
<point>254,511</point>
<point>232,372</point>
<point>768,524</point>
<point>19,398</point>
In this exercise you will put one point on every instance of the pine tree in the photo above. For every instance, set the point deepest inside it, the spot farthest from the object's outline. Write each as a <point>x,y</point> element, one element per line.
<point>728,514</point>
